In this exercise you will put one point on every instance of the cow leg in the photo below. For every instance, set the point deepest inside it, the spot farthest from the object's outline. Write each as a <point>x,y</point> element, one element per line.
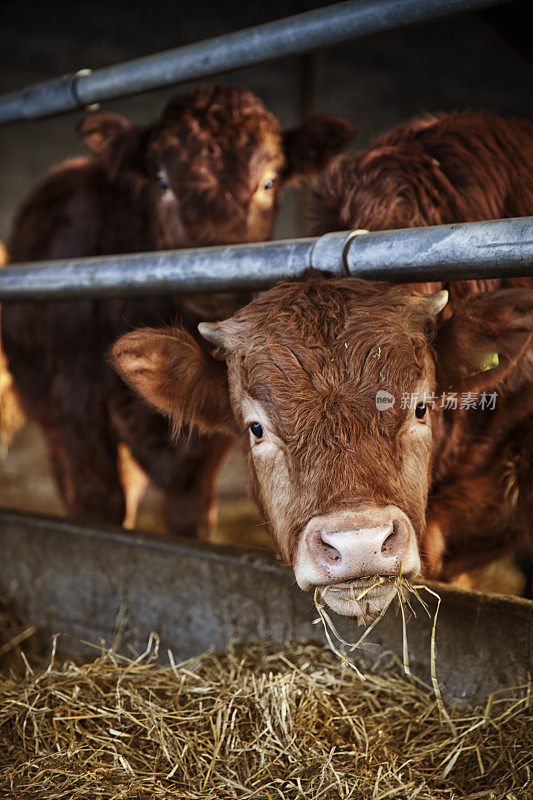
<point>462,581</point>
<point>85,467</point>
<point>433,547</point>
<point>187,473</point>
<point>184,468</point>
<point>190,497</point>
<point>133,481</point>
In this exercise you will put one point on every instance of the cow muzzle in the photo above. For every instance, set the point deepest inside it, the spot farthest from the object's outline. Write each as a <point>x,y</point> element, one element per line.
<point>346,553</point>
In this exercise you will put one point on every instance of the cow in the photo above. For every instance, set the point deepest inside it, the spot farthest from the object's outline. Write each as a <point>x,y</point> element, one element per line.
<point>435,169</point>
<point>208,171</point>
<point>11,416</point>
<point>347,490</point>
<point>350,490</point>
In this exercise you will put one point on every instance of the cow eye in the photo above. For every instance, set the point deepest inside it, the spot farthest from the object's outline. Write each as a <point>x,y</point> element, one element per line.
<point>420,411</point>
<point>257,430</point>
<point>162,182</point>
<point>269,184</point>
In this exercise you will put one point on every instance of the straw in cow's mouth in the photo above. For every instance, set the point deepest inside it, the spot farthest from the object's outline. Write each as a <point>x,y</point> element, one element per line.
<point>367,596</point>
<point>401,589</point>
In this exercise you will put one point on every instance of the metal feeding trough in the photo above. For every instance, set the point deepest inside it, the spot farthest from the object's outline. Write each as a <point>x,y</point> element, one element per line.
<point>92,584</point>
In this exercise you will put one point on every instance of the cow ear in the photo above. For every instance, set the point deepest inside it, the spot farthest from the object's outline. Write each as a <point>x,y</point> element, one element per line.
<point>104,133</point>
<point>310,147</point>
<point>170,370</point>
<point>487,336</point>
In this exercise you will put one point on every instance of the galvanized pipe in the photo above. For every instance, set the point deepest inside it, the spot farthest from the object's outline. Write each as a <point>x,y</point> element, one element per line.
<point>493,249</point>
<point>499,248</point>
<point>297,34</point>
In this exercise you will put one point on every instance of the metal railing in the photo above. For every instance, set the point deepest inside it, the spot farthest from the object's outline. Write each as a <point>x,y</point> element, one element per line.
<point>498,248</point>
<point>297,34</point>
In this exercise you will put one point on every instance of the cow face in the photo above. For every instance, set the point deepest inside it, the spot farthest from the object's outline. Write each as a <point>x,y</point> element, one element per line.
<point>342,481</point>
<point>341,477</point>
<point>214,163</point>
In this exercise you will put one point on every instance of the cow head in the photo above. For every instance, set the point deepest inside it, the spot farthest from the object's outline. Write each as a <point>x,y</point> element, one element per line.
<point>300,374</point>
<point>214,163</point>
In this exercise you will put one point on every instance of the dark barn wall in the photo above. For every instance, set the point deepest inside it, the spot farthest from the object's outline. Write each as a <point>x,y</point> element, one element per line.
<point>469,61</point>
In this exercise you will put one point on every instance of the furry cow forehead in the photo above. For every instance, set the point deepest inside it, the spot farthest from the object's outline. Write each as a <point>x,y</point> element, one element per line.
<point>220,113</point>
<point>216,104</point>
<point>327,347</point>
<point>320,312</point>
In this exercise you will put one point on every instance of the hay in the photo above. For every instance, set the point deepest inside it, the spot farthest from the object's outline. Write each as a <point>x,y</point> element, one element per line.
<point>259,722</point>
<point>17,640</point>
<point>401,589</point>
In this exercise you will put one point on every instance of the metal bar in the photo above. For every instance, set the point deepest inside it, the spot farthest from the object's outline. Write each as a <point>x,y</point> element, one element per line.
<point>81,581</point>
<point>494,249</point>
<point>165,272</point>
<point>292,35</point>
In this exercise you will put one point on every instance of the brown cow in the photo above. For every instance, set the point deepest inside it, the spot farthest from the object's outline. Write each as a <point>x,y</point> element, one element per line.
<point>349,490</point>
<point>432,170</point>
<point>341,453</point>
<point>11,416</point>
<point>208,171</point>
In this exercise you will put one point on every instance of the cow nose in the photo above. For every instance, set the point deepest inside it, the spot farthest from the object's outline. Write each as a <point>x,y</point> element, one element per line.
<point>349,553</point>
<point>350,544</point>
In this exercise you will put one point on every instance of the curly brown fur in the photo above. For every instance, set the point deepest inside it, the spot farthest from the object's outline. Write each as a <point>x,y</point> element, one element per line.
<point>208,171</point>
<point>432,170</point>
<point>313,354</point>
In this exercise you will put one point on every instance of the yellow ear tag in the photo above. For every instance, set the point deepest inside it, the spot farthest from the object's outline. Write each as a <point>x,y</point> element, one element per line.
<point>491,361</point>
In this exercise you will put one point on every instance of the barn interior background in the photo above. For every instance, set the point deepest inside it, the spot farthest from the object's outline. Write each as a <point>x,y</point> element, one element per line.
<point>473,61</point>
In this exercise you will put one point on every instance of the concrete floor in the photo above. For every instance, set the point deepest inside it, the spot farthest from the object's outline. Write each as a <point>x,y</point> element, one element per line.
<point>470,61</point>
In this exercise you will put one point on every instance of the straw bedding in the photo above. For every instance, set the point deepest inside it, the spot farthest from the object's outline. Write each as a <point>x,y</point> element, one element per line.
<point>258,721</point>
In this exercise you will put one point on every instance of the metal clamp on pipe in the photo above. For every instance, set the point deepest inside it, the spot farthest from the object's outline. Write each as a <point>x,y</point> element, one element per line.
<point>44,99</point>
<point>461,251</point>
<point>300,33</point>
<point>74,82</point>
<point>346,248</point>
<point>496,249</point>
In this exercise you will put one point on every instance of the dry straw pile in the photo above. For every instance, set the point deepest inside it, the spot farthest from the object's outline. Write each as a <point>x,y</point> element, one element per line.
<point>258,722</point>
